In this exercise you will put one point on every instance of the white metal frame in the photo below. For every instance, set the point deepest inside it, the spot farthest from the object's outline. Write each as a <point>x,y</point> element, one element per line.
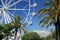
<point>5,7</point>
<point>7,16</point>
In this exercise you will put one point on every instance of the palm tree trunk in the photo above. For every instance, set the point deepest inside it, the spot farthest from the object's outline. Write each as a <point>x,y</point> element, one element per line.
<point>56,31</point>
<point>15,33</point>
<point>59,32</point>
<point>57,24</point>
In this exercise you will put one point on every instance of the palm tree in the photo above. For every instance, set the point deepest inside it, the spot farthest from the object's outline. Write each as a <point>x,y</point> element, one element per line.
<point>51,15</point>
<point>7,28</point>
<point>17,24</point>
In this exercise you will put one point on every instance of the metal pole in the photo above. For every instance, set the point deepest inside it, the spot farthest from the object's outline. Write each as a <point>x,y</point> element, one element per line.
<point>51,33</point>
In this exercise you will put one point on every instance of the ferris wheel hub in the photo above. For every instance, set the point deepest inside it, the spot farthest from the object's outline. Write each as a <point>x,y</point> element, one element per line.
<point>5,8</point>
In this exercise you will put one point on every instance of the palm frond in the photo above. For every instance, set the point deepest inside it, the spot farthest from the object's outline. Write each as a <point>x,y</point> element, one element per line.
<point>41,10</point>
<point>43,19</point>
<point>47,4</point>
<point>49,23</point>
<point>44,22</point>
<point>45,12</point>
<point>53,3</point>
<point>50,11</point>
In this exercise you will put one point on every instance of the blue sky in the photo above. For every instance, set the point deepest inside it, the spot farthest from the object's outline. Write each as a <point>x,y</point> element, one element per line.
<point>35,20</point>
<point>36,25</point>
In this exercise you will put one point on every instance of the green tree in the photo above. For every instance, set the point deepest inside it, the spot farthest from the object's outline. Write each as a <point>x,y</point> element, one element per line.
<point>5,31</point>
<point>17,24</point>
<point>1,29</point>
<point>52,15</point>
<point>31,36</point>
<point>1,36</point>
<point>7,28</point>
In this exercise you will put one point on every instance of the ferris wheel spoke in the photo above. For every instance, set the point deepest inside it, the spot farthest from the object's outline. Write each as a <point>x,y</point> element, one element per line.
<point>5,18</point>
<point>25,6</point>
<point>26,17</point>
<point>9,18</point>
<point>5,1</point>
<point>10,13</point>
<point>6,21</point>
<point>26,0</point>
<point>14,3</point>
<point>1,19</point>
<point>2,3</point>
<point>9,2</point>
<point>31,18</point>
<point>25,13</point>
<point>17,9</point>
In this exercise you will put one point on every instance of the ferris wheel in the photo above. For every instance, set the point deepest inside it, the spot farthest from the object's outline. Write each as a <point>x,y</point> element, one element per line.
<point>24,8</point>
<point>8,9</point>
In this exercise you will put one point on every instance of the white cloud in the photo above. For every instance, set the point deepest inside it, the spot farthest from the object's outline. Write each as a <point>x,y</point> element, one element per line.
<point>42,33</point>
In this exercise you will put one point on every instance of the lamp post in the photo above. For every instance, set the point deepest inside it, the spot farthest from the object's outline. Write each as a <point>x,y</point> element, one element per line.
<point>51,33</point>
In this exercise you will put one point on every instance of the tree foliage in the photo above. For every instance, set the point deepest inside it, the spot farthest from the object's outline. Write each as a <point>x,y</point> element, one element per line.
<point>50,13</point>
<point>31,36</point>
<point>5,30</point>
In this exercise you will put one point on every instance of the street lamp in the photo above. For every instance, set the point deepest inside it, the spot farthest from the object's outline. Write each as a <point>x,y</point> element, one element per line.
<point>51,33</point>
